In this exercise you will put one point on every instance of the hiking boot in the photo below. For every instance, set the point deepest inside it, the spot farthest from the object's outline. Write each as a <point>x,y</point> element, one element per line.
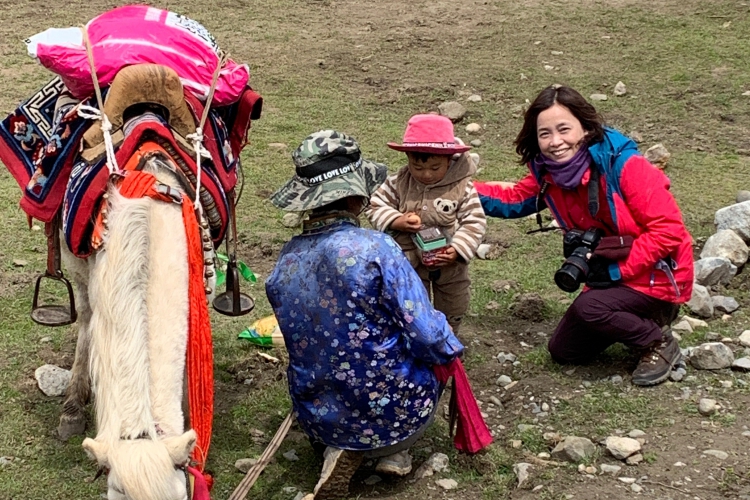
<point>398,464</point>
<point>338,468</point>
<point>657,360</point>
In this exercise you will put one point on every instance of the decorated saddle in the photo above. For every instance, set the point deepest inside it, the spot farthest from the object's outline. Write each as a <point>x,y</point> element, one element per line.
<point>58,158</point>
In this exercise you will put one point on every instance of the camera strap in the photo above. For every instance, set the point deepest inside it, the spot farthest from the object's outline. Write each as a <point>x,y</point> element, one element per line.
<point>539,206</point>
<point>594,192</point>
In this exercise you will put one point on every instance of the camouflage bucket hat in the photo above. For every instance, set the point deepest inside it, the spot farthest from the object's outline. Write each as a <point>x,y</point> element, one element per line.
<point>328,167</point>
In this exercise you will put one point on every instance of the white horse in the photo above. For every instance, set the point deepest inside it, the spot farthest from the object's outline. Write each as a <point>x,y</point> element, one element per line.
<point>133,298</point>
<point>133,314</point>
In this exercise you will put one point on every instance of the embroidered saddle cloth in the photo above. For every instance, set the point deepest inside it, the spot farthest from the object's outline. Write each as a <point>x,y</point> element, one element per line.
<point>40,143</point>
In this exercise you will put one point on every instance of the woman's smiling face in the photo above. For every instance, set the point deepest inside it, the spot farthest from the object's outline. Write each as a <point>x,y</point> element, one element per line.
<point>559,133</point>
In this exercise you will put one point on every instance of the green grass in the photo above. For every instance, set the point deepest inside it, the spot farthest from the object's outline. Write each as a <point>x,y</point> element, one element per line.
<point>684,72</point>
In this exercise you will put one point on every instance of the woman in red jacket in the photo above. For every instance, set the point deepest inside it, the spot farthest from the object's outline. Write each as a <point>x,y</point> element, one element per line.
<point>624,234</point>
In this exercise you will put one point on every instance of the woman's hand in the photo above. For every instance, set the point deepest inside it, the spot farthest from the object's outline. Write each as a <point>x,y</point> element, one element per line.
<point>407,223</point>
<point>448,256</point>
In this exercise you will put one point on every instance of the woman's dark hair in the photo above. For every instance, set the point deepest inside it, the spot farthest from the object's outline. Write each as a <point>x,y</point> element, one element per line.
<point>527,144</point>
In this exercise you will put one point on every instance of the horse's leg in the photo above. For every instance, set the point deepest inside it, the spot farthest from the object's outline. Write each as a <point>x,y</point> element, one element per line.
<point>73,418</point>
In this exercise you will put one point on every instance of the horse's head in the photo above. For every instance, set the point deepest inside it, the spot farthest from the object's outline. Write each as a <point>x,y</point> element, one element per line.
<point>144,469</point>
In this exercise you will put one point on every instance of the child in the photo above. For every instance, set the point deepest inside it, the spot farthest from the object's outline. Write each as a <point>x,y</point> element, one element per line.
<point>434,190</point>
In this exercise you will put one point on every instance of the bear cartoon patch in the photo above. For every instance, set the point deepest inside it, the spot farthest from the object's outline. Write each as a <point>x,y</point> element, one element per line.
<point>444,206</point>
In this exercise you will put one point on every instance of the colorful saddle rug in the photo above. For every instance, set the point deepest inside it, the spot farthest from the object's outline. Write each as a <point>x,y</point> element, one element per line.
<point>40,141</point>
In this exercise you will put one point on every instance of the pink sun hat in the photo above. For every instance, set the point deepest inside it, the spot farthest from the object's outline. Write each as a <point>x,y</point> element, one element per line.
<point>429,134</point>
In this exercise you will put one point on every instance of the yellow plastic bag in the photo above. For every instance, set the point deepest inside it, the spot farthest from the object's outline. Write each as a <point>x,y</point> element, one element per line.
<point>264,332</point>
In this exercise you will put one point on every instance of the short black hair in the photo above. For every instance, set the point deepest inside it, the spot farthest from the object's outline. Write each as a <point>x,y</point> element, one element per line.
<point>421,157</point>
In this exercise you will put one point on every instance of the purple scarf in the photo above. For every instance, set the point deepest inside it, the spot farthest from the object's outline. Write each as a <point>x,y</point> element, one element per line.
<point>567,174</point>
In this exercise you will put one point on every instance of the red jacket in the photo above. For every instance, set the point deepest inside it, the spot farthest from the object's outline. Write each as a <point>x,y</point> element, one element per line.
<point>640,203</point>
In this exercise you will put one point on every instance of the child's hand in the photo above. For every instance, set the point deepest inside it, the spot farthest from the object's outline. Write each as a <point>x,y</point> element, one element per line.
<point>445,258</point>
<point>407,223</point>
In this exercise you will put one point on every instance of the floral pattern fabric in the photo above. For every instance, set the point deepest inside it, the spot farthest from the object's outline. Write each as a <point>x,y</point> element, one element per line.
<point>361,335</point>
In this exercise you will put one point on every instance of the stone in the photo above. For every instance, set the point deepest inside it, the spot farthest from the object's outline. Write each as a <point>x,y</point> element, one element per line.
<point>724,304</point>
<point>744,338</point>
<point>438,462</point>
<point>474,98</point>
<point>678,374</point>
<point>700,302</point>
<point>476,143</point>
<point>277,145</point>
<point>20,263</point>
<point>714,271</point>
<point>627,480</point>
<point>616,379</point>
<point>52,380</point>
<point>680,464</point>
<point>634,459</point>
<point>483,251</point>
<point>658,155</point>
<point>682,326</point>
<point>243,464</point>
<point>721,455</point>
<point>574,449</point>
<point>546,456</point>
<point>636,433</point>
<point>610,469</point>
<point>743,196</point>
<point>504,380</point>
<point>473,128</point>
<point>636,488</point>
<point>622,447</point>
<point>526,427</point>
<point>713,336</point>
<point>557,52</point>
<point>711,356</point>
<point>447,484</point>
<point>292,219</point>
<point>736,218</point>
<point>548,67</point>
<point>516,444</point>
<point>707,407</point>
<point>521,471</point>
<point>636,136</point>
<point>620,89</point>
<point>741,365</point>
<point>727,244</point>
<point>454,111</point>
<point>5,461</point>
<point>372,480</point>
<point>291,455</point>
<point>694,322</point>
<point>726,384</point>
<point>289,489</point>
<point>529,306</point>
<point>504,357</point>
<point>598,97</point>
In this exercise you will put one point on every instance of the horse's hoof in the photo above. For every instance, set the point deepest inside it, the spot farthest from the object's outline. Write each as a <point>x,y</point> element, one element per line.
<point>71,425</point>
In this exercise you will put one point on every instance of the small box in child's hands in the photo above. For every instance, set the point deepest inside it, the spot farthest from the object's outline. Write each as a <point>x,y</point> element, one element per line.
<point>430,258</point>
<point>432,242</point>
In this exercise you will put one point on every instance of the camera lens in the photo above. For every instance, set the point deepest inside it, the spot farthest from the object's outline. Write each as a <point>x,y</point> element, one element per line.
<point>574,271</point>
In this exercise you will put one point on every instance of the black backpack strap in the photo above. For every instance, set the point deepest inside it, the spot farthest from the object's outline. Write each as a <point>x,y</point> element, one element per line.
<point>594,192</point>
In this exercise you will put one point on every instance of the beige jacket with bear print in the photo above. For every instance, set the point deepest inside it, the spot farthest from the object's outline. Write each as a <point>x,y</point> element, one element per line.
<point>451,204</point>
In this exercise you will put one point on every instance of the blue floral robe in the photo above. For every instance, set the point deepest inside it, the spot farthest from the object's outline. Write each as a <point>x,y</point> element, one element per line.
<point>361,335</point>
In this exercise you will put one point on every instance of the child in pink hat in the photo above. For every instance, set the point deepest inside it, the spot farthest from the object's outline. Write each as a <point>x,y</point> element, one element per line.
<point>432,210</point>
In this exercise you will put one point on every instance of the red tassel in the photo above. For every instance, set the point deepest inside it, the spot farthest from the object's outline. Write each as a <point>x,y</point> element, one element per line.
<point>472,433</point>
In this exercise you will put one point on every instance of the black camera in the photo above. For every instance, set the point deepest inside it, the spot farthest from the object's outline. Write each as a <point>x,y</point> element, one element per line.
<point>577,245</point>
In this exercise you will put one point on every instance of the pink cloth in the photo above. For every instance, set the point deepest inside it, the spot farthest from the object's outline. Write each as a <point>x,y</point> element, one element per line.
<point>139,34</point>
<point>472,433</point>
<point>200,487</point>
